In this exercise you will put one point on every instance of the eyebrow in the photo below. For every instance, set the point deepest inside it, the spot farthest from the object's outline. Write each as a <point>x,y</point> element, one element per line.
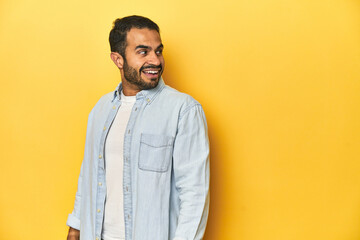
<point>142,46</point>
<point>160,46</point>
<point>147,47</point>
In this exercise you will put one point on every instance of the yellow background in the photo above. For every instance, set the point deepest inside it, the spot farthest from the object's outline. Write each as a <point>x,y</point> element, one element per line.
<point>279,81</point>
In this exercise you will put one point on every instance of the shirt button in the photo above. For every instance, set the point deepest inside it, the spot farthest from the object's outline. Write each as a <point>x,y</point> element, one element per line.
<point>127,189</point>
<point>104,128</point>
<point>128,216</point>
<point>148,100</point>
<point>129,132</point>
<point>98,210</point>
<point>97,238</point>
<point>100,156</point>
<point>100,183</point>
<point>114,107</point>
<point>135,109</point>
<point>127,160</point>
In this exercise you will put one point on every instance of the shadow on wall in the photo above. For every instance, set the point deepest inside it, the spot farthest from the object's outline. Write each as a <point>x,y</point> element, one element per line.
<point>216,195</point>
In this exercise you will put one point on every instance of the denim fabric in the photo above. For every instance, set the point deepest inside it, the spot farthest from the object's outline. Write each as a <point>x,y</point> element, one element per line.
<point>166,167</point>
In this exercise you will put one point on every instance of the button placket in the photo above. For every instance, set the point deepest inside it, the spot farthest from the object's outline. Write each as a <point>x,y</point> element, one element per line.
<point>127,168</point>
<point>101,191</point>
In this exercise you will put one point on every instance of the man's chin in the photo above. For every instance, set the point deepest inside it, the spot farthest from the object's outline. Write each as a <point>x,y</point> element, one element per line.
<point>150,83</point>
<point>157,79</point>
<point>147,78</point>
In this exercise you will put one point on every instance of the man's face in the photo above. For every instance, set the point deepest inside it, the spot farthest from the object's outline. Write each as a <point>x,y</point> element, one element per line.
<point>143,62</point>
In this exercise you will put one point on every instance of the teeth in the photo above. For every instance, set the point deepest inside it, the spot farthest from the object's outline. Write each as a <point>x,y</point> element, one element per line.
<point>152,72</point>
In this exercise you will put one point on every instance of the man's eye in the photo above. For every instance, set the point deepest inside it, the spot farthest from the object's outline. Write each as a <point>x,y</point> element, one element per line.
<point>143,52</point>
<point>159,52</point>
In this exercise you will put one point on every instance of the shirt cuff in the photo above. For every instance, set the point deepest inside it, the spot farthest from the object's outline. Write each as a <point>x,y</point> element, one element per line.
<point>73,222</point>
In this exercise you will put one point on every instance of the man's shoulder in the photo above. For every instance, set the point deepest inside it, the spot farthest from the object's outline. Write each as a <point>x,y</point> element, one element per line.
<point>171,94</point>
<point>177,101</point>
<point>108,97</point>
<point>103,101</point>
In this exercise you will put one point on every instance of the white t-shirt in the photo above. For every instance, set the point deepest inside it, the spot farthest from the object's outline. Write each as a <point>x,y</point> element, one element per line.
<point>114,226</point>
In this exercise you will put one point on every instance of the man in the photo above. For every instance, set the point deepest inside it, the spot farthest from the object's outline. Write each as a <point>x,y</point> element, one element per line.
<point>145,173</point>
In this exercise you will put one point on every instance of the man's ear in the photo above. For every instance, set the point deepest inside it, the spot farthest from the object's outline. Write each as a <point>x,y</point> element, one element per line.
<point>117,59</point>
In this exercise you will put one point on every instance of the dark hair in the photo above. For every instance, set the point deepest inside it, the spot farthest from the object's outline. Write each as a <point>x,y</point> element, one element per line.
<point>122,26</point>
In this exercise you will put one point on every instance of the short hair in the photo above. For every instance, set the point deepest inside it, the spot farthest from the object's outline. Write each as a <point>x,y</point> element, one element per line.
<point>122,26</point>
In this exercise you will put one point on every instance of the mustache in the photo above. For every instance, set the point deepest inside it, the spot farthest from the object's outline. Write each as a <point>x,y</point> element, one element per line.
<point>151,66</point>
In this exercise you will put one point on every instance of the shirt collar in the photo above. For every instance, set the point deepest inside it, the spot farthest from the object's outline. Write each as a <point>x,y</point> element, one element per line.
<point>149,94</point>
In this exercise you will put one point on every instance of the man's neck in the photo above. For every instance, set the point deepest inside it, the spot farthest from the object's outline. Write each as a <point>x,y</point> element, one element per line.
<point>129,89</point>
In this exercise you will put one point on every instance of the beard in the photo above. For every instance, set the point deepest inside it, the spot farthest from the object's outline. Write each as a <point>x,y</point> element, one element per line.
<point>134,77</point>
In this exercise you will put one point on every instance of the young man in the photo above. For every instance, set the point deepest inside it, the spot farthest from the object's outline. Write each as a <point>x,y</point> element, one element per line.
<point>145,173</point>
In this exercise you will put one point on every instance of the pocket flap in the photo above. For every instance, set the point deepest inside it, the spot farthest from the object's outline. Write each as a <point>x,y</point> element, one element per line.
<point>156,140</point>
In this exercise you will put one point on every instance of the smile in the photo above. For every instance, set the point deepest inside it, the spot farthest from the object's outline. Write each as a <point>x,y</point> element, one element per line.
<point>151,72</point>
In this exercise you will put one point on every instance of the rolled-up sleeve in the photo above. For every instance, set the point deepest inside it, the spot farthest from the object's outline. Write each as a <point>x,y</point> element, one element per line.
<point>74,217</point>
<point>191,172</point>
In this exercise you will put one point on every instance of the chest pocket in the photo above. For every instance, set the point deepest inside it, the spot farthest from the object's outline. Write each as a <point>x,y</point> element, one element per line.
<point>155,152</point>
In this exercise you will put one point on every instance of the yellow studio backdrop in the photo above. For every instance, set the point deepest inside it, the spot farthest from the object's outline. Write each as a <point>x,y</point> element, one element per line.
<point>279,81</point>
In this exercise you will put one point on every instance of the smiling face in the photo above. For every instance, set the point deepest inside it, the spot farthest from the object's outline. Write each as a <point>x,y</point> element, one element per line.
<point>143,63</point>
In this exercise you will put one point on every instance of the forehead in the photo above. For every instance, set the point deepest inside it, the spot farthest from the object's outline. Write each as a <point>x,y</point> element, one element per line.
<point>143,36</point>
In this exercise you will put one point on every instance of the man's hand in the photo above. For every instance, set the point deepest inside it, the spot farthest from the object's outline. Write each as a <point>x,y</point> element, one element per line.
<point>73,234</point>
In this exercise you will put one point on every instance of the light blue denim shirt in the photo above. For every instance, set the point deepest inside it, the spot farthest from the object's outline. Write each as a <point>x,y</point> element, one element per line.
<point>166,167</point>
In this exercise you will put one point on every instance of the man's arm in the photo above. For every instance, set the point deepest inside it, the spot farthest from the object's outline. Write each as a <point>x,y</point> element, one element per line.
<point>73,220</point>
<point>191,172</point>
<point>73,234</point>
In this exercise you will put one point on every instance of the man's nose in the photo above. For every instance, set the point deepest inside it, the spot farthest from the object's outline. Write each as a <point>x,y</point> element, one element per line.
<point>154,59</point>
